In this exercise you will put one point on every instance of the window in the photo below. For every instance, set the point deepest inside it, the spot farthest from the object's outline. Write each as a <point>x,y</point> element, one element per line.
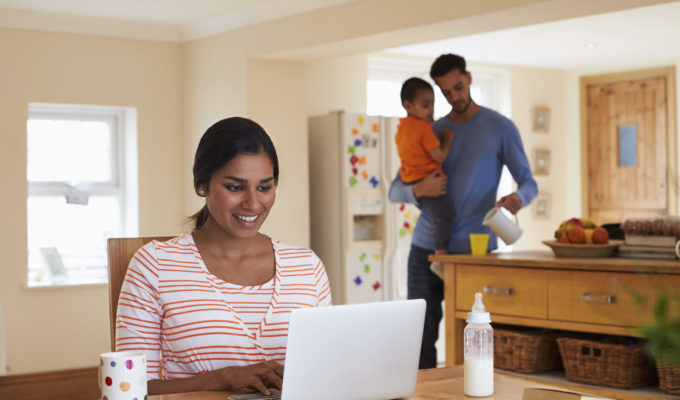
<point>81,189</point>
<point>387,72</point>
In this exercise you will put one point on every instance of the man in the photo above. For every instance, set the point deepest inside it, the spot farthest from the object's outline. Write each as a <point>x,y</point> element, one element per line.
<point>485,142</point>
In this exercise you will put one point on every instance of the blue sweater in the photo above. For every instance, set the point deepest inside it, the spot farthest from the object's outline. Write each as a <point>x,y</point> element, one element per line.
<point>473,168</point>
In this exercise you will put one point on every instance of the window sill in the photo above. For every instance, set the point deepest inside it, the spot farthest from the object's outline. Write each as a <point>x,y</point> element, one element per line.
<point>31,286</point>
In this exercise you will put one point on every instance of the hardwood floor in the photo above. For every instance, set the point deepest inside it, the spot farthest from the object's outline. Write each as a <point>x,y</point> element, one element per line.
<point>73,384</point>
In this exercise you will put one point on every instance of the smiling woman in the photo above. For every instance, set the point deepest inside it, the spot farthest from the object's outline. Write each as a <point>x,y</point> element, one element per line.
<point>210,308</point>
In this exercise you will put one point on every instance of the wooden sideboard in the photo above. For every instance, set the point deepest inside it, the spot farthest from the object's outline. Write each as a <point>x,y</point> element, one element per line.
<point>536,289</point>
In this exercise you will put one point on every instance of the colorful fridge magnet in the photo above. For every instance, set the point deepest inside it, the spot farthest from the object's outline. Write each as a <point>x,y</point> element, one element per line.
<point>361,120</point>
<point>357,142</point>
<point>376,286</point>
<point>376,128</point>
<point>357,280</point>
<point>403,232</point>
<point>355,131</point>
<point>352,181</point>
<point>374,182</point>
<point>364,174</point>
<point>367,269</point>
<point>351,150</point>
<point>363,256</point>
<point>376,256</point>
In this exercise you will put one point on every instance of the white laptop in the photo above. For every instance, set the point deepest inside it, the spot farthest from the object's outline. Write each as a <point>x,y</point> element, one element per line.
<point>358,351</point>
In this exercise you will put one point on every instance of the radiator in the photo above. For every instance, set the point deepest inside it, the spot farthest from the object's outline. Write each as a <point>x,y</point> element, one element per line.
<point>3,353</point>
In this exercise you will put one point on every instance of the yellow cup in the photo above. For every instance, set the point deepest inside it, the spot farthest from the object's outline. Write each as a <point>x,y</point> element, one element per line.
<point>479,242</point>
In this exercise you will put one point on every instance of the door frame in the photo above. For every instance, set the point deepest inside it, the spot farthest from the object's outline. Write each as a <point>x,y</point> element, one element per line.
<point>672,172</point>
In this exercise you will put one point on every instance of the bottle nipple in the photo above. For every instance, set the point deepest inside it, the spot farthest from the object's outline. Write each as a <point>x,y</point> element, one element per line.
<point>478,306</point>
<point>478,313</point>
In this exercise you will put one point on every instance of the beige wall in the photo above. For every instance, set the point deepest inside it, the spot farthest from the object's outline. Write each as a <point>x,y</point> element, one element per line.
<point>68,327</point>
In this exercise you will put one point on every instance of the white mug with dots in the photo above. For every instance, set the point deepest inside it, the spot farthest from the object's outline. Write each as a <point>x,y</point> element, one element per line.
<point>122,375</point>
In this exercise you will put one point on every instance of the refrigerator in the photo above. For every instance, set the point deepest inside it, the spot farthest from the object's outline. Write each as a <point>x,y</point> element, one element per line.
<point>362,238</point>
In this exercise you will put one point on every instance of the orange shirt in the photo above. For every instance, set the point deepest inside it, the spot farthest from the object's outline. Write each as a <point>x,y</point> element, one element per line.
<point>415,138</point>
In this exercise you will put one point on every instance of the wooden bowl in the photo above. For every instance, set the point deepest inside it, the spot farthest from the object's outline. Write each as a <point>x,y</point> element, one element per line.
<point>581,250</point>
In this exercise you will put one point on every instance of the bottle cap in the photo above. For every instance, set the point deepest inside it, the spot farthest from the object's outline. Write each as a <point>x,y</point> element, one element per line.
<point>478,315</point>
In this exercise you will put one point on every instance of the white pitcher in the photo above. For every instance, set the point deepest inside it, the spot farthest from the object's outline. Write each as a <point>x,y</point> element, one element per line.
<point>505,228</point>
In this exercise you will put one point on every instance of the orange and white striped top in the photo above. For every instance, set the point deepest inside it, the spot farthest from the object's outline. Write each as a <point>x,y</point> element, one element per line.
<point>175,310</point>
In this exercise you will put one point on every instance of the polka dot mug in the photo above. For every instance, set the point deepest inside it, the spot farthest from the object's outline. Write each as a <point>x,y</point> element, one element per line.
<point>122,375</point>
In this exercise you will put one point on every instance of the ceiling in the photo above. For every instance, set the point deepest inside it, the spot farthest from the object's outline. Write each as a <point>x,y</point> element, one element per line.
<point>635,38</point>
<point>632,38</point>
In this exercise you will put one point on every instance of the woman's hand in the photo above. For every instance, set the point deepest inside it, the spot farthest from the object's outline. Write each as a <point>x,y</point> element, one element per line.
<point>260,376</point>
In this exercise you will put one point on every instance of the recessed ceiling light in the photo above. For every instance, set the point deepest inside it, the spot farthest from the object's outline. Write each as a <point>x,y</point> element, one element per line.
<point>590,45</point>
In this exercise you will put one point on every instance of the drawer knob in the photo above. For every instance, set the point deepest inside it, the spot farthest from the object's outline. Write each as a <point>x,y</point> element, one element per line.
<point>492,290</point>
<point>595,298</point>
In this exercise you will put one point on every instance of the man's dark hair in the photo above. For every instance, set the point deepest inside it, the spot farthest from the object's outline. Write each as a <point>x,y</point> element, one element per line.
<point>411,87</point>
<point>447,63</point>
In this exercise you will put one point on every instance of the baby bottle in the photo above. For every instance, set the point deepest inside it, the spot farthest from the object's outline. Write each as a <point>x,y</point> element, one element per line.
<point>478,352</point>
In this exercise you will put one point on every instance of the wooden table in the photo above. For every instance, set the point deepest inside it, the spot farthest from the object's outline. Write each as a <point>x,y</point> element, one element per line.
<point>534,288</point>
<point>436,383</point>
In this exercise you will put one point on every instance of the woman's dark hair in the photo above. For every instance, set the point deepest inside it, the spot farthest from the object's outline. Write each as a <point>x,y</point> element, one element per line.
<point>447,63</point>
<point>221,143</point>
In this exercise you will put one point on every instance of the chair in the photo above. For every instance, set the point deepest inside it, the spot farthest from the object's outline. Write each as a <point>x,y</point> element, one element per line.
<point>120,252</point>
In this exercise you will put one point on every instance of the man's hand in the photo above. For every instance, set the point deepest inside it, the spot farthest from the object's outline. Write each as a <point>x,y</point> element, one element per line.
<point>510,202</point>
<point>433,185</point>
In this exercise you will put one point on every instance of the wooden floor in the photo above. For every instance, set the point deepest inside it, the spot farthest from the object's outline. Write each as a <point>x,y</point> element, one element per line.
<point>72,384</point>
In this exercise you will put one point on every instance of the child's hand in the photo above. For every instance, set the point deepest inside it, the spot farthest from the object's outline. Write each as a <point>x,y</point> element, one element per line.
<point>447,135</point>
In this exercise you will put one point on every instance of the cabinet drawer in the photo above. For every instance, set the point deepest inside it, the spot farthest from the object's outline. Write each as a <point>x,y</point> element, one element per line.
<point>599,297</point>
<point>509,291</point>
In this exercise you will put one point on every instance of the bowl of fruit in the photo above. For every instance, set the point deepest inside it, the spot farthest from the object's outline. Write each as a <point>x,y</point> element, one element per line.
<point>581,238</point>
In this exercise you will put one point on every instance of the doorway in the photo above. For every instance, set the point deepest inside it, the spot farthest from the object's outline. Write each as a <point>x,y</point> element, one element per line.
<point>628,145</point>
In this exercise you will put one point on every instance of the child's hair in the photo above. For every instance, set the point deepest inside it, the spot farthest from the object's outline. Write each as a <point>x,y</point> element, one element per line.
<point>221,143</point>
<point>447,63</point>
<point>411,87</point>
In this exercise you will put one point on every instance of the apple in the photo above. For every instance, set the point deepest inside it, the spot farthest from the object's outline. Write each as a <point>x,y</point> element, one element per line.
<point>563,239</point>
<point>577,235</point>
<point>600,235</point>
<point>575,221</point>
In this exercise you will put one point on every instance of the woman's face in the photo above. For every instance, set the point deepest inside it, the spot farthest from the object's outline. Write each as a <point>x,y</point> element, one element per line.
<point>241,193</point>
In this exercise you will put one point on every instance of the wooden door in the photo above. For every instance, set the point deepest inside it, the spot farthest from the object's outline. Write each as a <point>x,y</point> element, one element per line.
<point>628,149</point>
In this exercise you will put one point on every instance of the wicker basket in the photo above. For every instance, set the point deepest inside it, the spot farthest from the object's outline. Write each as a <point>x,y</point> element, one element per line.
<point>669,377</point>
<point>527,352</point>
<point>615,365</point>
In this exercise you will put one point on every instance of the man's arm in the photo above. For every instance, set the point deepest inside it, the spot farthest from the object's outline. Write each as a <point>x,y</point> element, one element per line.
<point>518,165</point>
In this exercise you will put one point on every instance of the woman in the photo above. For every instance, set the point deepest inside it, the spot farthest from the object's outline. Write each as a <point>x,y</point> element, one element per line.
<point>211,307</point>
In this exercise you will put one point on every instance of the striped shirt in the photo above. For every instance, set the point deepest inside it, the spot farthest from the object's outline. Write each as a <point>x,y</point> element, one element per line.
<point>188,321</point>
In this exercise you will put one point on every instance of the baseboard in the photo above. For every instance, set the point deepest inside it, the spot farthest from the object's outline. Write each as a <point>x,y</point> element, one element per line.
<point>72,384</point>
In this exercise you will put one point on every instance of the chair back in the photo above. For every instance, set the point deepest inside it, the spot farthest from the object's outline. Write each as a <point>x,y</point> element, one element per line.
<point>120,251</point>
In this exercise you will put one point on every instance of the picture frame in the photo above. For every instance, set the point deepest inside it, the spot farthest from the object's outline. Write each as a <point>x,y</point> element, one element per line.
<point>541,119</point>
<point>55,265</point>
<point>541,206</point>
<point>541,162</point>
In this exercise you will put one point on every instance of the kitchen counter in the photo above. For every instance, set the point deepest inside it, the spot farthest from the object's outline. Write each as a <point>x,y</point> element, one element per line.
<point>536,289</point>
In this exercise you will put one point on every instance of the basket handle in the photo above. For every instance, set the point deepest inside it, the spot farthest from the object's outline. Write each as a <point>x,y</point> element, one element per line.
<point>492,290</point>
<point>595,298</point>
